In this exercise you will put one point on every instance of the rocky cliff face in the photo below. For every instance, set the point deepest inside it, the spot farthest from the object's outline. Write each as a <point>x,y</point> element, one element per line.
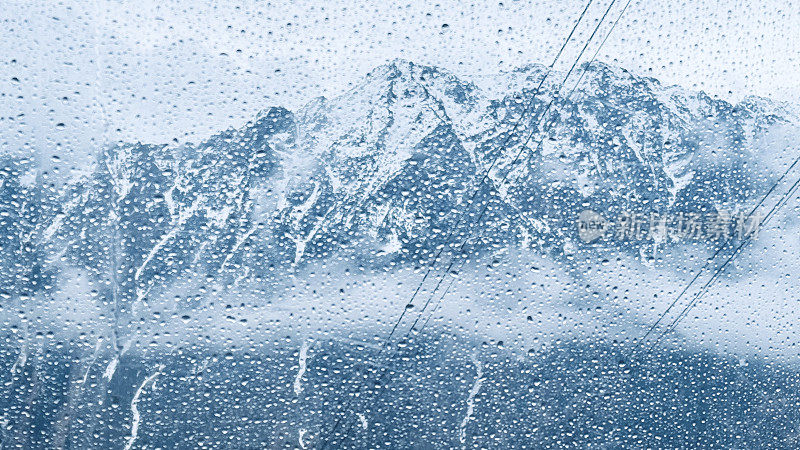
<point>411,164</point>
<point>392,170</point>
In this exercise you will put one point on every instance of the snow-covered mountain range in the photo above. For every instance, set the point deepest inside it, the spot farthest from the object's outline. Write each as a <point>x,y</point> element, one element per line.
<point>389,171</point>
<point>411,166</point>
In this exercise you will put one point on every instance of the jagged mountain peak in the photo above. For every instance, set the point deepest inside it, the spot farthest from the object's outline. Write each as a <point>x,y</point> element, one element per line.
<point>387,168</point>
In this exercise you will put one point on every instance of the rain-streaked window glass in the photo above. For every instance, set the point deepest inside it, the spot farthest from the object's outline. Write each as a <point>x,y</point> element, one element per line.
<point>337,224</point>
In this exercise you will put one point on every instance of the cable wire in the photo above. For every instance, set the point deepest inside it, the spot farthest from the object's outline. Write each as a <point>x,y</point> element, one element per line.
<point>703,290</point>
<point>710,260</point>
<point>503,179</point>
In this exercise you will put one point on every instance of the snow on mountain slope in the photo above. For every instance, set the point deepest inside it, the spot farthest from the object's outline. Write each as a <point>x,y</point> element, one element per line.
<point>175,275</point>
<point>393,169</point>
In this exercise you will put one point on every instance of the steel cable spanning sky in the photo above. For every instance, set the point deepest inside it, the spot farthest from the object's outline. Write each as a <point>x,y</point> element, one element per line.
<point>543,116</point>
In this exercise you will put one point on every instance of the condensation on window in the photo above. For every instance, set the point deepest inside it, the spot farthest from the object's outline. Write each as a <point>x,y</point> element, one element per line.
<point>443,225</point>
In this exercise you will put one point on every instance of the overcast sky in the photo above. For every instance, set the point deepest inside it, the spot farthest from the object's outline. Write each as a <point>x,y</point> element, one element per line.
<point>76,74</point>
